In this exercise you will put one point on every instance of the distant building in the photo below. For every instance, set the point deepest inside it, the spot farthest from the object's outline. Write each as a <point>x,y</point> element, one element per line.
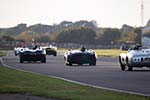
<point>146,36</point>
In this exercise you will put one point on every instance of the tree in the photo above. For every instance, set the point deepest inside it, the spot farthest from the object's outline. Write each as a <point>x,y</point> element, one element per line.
<point>8,38</point>
<point>28,36</point>
<point>80,35</point>
<point>44,38</point>
<point>132,36</point>
<point>109,35</point>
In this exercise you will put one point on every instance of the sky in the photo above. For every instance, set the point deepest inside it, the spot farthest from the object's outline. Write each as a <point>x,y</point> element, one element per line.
<point>107,13</point>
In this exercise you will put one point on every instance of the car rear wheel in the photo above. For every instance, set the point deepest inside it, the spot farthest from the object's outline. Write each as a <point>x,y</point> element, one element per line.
<point>121,65</point>
<point>68,63</point>
<point>92,63</point>
<point>80,64</point>
<point>130,68</point>
<point>55,54</point>
<point>43,60</point>
<point>21,60</point>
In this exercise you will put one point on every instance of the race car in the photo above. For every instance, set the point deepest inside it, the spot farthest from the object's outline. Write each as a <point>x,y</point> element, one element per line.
<point>50,50</point>
<point>80,57</point>
<point>137,57</point>
<point>32,54</point>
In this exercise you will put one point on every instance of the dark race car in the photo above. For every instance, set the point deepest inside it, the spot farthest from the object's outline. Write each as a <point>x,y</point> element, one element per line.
<point>80,57</point>
<point>50,50</point>
<point>33,54</point>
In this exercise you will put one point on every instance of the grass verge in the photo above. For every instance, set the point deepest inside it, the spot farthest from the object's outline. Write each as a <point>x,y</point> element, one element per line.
<point>2,53</point>
<point>13,81</point>
<point>109,52</point>
<point>103,52</point>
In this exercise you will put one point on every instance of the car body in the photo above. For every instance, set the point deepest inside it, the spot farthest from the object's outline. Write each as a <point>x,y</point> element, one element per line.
<point>137,57</point>
<point>79,57</point>
<point>33,54</point>
<point>50,50</point>
<point>17,50</point>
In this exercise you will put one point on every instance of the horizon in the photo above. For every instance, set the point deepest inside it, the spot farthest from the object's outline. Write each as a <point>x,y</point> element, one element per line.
<point>107,13</point>
<point>28,25</point>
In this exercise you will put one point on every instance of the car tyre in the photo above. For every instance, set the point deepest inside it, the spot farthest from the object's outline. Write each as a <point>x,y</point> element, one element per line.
<point>121,65</point>
<point>21,60</point>
<point>92,63</point>
<point>79,64</point>
<point>55,54</point>
<point>130,68</point>
<point>43,60</point>
<point>70,64</point>
<point>66,63</point>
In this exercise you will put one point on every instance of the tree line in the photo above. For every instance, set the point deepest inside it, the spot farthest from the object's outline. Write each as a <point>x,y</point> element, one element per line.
<point>81,35</point>
<point>80,32</point>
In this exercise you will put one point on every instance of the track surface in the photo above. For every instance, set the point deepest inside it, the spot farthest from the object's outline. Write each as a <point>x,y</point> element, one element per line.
<point>106,73</point>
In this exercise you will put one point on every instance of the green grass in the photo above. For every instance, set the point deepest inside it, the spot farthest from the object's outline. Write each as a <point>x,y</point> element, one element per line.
<point>103,52</point>
<point>100,52</point>
<point>2,53</point>
<point>109,52</point>
<point>62,50</point>
<point>13,81</point>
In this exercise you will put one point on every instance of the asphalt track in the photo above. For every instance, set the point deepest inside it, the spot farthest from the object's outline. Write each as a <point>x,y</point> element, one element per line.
<point>105,74</point>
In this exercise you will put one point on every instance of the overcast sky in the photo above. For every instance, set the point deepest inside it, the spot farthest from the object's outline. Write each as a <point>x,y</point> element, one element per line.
<point>108,13</point>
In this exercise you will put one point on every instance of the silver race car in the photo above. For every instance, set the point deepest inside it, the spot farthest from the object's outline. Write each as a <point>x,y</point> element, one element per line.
<point>136,57</point>
<point>32,54</point>
<point>80,57</point>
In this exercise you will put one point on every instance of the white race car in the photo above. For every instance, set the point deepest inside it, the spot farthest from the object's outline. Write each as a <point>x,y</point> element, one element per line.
<point>137,57</point>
